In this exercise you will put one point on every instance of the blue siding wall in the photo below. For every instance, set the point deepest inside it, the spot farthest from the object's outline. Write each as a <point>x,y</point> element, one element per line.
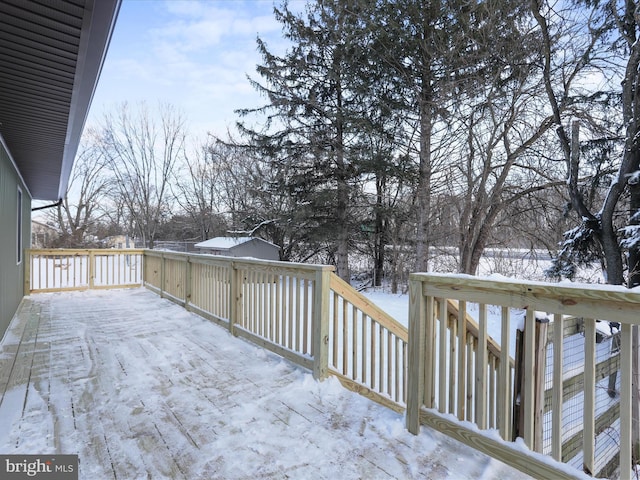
<point>11,269</point>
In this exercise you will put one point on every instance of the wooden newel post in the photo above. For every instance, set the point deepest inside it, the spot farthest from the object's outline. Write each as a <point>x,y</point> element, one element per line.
<point>235,294</point>
<point>188,287</point>
<point>320,336</point>
<point>529,381</point>
<point>27,272</point>
<point>417,355</point>
<point>162,274</point>
<point>92,268</point>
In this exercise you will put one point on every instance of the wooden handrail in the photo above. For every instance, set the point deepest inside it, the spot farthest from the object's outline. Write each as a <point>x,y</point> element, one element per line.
<point>361,302</point>
<point>83,251</point>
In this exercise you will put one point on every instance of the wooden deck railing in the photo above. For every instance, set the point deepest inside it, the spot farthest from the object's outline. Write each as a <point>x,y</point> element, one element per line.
<point>280,306</point>
<point>308,315</point>
<point>461,341</point>
<point>431,363</point>
<point>368,348</point>
<point>607,402</point>
<point>302,312</point>
<point>64,269</point>
<point>444,366</point>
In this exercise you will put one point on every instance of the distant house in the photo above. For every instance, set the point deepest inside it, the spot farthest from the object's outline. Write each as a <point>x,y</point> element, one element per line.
<point>240,247</point>
<point>119,242</point>
<point>42,234</point>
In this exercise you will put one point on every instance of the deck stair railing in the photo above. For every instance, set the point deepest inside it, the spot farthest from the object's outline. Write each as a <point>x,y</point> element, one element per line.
<point>546,400</point>
<point>367,348</point>
<point>304,313</point>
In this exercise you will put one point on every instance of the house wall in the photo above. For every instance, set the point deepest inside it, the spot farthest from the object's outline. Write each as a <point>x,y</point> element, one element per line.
<point>213,251</point>
<point>256,249</point>
<point>11,267</point>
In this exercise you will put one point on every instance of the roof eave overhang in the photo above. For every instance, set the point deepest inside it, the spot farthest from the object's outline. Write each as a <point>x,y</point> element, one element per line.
<point>51,56</point>
<point>97,29</point>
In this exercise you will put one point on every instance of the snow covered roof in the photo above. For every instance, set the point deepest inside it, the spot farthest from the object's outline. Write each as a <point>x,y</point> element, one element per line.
<point>222,243</point>
<point>225,243</point>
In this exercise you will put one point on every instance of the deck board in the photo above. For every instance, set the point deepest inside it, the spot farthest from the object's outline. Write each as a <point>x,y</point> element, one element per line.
<point>83,373</point>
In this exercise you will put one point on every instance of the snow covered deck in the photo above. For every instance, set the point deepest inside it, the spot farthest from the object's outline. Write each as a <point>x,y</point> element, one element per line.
<point>140,388</point>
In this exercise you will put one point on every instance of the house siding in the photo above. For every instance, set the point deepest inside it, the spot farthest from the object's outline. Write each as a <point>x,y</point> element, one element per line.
<point>256,249</point>
<point>11,271</point>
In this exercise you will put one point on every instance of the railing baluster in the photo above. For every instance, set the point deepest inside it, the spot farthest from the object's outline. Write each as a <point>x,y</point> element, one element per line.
<point>258,306</point>
<point>626,392</point>
<point>305,348</point>
<point>380,364</point>
<point>470,377</point>
<point>291,312</point>
<point>504,382</point>
<point>481,369</point>
<point>556,413</point>
<point>251,285</point>
<point>398,369</point>
<point>462,359</point>
<point>365,353</point>
<point>254,300</point>
<point>405,376</point>
<point>442,352</point>
<point>283,321</point>
<point>492,391</point>
<point>270,307</point>
<point>453,357</point>
<point>297,314</point>
<point>589,395</point>
<point>354,342</point>
<point>389,363</point>
<point>529,378</point>
<point>335,330</point>
<point>345,337</point>
<point>47,272</point>
<point>277,326</point>
<point>372,365</point>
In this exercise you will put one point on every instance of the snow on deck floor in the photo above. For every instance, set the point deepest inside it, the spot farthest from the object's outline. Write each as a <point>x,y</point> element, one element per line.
<point>140,388</point>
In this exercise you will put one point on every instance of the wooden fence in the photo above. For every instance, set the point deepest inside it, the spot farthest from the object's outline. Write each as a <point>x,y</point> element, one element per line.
<point>431,363</point>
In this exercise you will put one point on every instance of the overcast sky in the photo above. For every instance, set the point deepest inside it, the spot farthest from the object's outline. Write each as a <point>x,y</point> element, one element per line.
<point>194,55</point>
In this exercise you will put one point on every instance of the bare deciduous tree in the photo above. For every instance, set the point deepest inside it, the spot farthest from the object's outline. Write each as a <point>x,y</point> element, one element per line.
<point>142,153</point>
<point>200,187</point>
<point>81,208</point>
<point>612,45</point>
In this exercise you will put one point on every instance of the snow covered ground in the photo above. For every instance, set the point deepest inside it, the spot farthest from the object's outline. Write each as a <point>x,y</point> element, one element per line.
<point>140,388</point>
